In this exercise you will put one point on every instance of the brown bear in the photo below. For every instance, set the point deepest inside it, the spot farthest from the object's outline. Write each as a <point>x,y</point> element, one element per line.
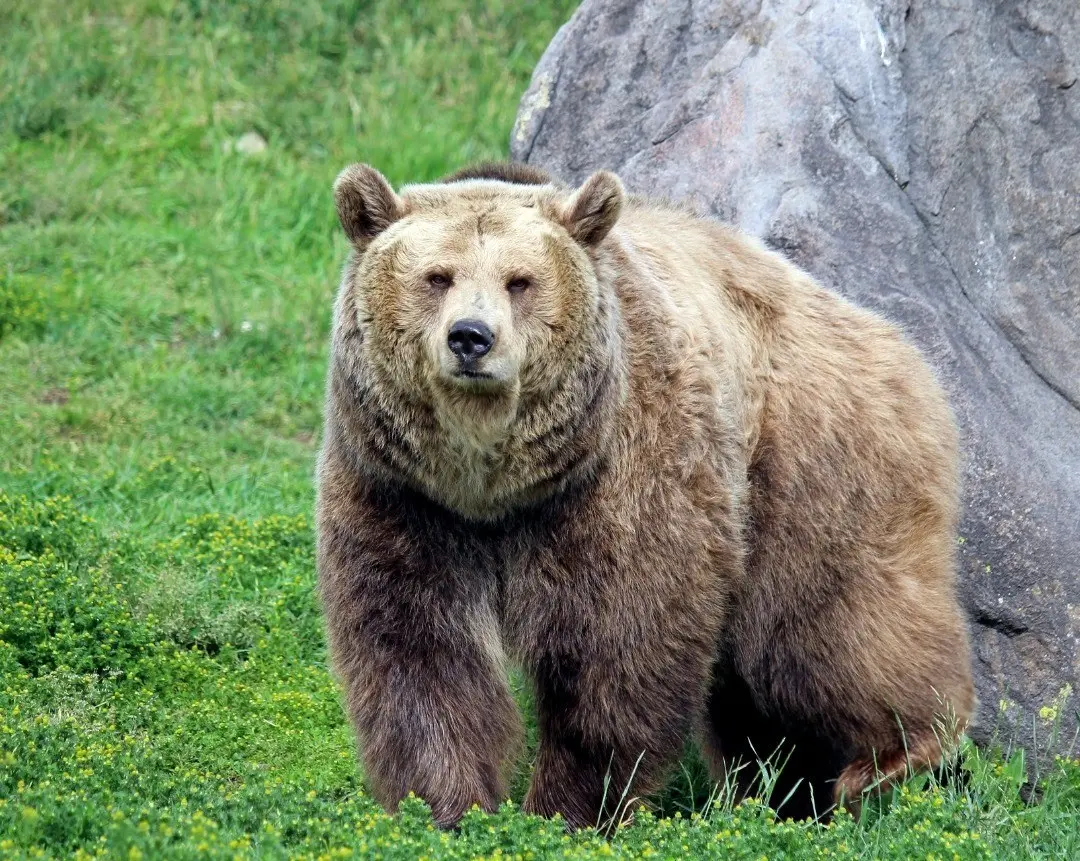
<point>687,489</point>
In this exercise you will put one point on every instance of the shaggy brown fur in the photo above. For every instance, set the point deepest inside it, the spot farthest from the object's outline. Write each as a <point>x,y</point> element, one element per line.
<point>686,488</point>
<point>506,171</point>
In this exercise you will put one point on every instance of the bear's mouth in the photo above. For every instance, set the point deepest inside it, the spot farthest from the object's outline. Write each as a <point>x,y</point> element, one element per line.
<point>473,374</point>
<point>473,381</point>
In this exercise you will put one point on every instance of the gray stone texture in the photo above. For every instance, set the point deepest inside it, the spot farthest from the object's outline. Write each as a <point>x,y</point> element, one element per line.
<point>924,160</point>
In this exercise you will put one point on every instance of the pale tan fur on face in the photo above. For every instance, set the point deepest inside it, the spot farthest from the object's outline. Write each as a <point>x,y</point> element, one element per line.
<point>477,237</point>
<point>480,245</point>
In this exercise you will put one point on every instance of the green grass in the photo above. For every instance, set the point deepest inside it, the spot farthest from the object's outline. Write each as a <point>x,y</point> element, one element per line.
<point>164,314</point>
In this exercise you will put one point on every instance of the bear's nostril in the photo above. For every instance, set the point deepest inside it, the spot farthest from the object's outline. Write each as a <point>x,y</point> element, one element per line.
<point>470,339</point>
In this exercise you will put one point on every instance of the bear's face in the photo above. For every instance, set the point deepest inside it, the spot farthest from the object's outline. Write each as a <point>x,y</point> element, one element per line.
<point>474,295</point>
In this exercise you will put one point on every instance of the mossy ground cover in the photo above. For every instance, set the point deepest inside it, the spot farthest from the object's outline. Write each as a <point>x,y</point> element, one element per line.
<point>164,312</point>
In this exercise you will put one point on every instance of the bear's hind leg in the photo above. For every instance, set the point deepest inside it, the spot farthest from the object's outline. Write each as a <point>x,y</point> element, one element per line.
<point>883,771</point>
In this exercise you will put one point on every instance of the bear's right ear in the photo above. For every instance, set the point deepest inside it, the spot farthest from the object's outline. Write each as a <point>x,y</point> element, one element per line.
<point>366,204</point>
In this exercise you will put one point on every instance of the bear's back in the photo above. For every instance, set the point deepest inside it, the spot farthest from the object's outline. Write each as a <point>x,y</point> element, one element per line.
<point>799,356</point>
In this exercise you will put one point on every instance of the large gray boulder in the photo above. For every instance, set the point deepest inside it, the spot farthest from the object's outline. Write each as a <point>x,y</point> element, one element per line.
<point>924,160</point>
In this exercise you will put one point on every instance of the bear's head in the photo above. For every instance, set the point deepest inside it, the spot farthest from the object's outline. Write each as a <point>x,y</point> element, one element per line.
<point>477,300</point>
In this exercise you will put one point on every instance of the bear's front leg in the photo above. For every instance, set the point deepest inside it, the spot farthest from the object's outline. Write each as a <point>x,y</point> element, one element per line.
<point>609,732</point>
<point>615,609</point>
<point>416,643</point>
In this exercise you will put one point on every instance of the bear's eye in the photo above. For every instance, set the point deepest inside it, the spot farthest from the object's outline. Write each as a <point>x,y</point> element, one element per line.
<point>440,280</point>
<point>517,285</point>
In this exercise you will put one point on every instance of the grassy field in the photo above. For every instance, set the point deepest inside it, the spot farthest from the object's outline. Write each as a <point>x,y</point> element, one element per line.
<point>164,313</point>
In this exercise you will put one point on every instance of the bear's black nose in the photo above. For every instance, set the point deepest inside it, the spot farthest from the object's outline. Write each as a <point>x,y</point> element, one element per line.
<point>470,339</point>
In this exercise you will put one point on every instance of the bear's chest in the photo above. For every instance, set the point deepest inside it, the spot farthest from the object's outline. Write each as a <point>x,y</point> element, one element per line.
<point>469,479</point>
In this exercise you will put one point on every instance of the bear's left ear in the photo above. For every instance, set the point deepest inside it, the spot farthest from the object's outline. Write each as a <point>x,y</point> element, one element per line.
<point>593,209</point>
<point>366,204</point>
